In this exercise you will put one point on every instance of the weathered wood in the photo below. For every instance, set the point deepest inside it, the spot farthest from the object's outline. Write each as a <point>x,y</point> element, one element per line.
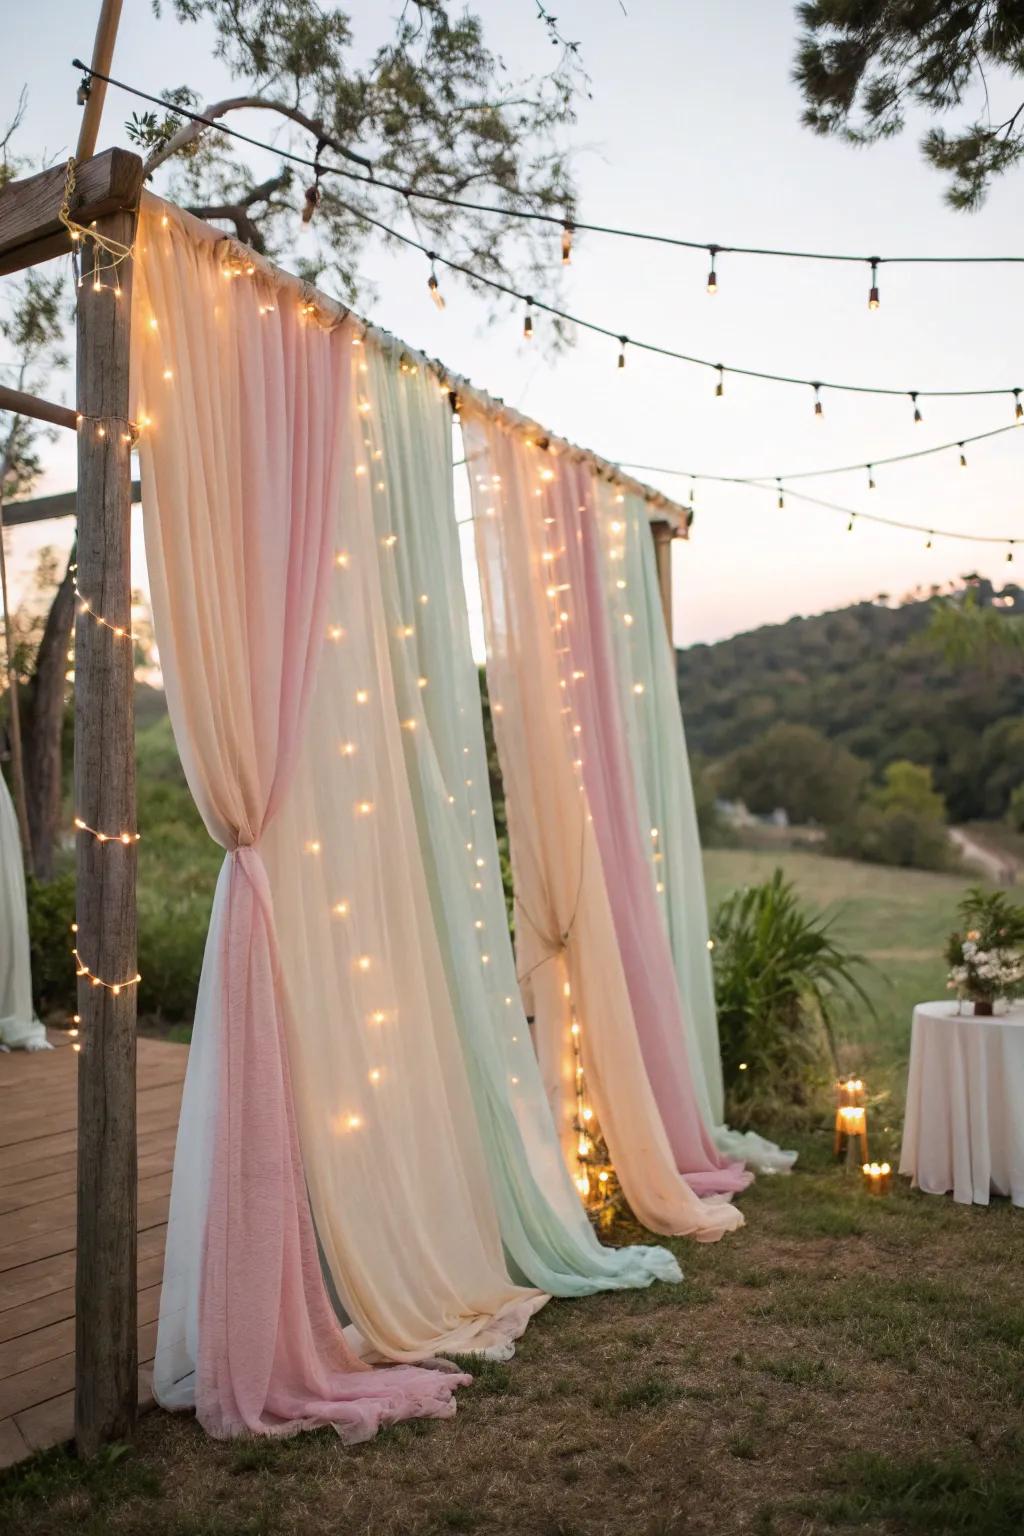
<point>31,232</point>
<point>106,1346</point>
<point>102,58</point>
<point>14,703</point>
<point>21,404</point>
<point>662,533</point>
<point>63,504</point>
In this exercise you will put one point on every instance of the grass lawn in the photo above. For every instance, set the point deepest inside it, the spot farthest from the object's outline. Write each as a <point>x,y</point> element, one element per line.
<point>842,1363</point>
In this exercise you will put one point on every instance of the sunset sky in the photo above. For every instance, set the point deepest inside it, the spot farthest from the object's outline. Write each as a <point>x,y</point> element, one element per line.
<point>693,130</point>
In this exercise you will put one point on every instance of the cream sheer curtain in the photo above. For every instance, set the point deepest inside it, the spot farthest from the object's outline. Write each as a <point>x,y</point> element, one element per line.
<point>19,1027</point>
<point>545,1229</point>
<point>243,397</point>
<point>396,1169</point>
<point>568,949</point>
<point>649,699</point>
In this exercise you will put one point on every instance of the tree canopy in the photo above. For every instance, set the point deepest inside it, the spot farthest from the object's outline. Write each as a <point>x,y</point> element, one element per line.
<point>431,108</point>
<point>861,63</point>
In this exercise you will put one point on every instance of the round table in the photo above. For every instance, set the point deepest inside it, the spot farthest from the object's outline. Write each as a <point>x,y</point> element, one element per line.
<point>964,1126</point>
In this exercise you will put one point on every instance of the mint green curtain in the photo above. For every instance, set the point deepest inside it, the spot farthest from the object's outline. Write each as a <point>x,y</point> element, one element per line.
<point>645,664</point>
<point>547,1236</point>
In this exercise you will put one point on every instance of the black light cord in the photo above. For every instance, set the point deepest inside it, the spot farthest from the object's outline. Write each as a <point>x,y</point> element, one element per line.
<point>559,221</point>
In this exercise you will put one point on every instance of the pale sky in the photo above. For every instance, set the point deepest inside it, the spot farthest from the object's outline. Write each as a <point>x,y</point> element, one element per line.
<point>693,130</point>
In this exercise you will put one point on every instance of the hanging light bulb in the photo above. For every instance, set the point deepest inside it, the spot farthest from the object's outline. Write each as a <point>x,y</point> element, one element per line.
<point>819,410</point>
<point>567,234</point>
<point>918,418</point>
<point>782,499</point>
<point>849,526</point>
<point>871,477</point>
<point>712,275</point>
<point>928,541</point>
<point>1018,409</point>
<point>720,386</point>
<point>622,351</point>
<point>873,299</point>
<point>528,321</point>
<point>1009,553</point>
<point>963,456</point>
<point>432,284</point>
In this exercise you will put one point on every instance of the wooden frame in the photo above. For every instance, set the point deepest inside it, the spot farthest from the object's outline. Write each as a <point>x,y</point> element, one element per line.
<point>106,195</point>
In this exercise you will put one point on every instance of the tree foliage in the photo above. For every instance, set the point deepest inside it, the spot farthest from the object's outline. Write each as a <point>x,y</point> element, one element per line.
<point>866,678</point>
<point>796,768</point>
<point>431,108</point>
<point>861,63</point>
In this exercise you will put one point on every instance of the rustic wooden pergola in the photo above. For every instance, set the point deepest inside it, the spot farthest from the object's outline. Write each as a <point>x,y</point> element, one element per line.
<point>106,199</point>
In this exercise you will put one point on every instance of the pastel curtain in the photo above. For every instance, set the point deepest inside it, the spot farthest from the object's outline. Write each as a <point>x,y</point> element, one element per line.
<point>656,741</point>
<point>589,681</point>
<point>19,1027</point>
<point>397,1174</point>
<point>577,953</point>
<point>244,402</point>
<point>545,1230</point>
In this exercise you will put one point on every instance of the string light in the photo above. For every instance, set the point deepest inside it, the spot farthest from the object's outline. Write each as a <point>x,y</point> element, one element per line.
<point>623,340</point>
<point>712,283</point>
<point>1018,408</point>
<point>114,987</point>
<point>818,409</point>
<point>567,234</point>
<point>817,474</point>
<point>528,321</point>
<point>433,285</point>
<point>119,631</point>
<point>917,410</point>
<point>530,215</point>
<point>782,499</point>
<point>124,838</point>
<point>873,299</point>
<point>720,386</point>
<point>963,457</point>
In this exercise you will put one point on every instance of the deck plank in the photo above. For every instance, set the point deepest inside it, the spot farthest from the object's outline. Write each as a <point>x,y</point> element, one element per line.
<point>38,1110</point>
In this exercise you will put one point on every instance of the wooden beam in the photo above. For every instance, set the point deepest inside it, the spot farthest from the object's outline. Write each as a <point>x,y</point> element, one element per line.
<point>20,404</point>
<point>662,533</point>
<point>102,58</point>
<point>63,504</point>
<point>106,1347</point>
<point>30,230</point>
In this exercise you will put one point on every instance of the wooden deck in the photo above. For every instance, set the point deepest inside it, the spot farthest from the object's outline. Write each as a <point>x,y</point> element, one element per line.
<point>38,1114</point>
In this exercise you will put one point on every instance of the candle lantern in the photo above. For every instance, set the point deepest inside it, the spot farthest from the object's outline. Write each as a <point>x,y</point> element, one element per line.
<point>851,1129</point>
<point>877,1178</point>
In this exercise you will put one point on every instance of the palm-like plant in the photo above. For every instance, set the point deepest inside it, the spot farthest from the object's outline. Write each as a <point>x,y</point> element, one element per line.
<point>780,978</point>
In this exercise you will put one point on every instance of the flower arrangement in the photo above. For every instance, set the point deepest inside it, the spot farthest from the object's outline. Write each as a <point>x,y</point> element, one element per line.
<point>986,954</point>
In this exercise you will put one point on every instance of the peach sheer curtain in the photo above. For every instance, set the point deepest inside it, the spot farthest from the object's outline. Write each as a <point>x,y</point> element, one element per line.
<point>568,949</point>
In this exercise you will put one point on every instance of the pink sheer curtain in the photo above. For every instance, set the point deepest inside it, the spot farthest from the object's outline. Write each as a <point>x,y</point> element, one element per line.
<point>588,677</point>
<point>245,396</point>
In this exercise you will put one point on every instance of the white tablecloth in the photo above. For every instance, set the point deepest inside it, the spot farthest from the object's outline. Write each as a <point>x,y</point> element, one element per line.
<point>964,1127</point>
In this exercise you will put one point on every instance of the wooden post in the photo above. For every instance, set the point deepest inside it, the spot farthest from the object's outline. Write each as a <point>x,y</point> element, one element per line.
<point>662,533</point>
<point>102,58</point>
<point>106,1347</point>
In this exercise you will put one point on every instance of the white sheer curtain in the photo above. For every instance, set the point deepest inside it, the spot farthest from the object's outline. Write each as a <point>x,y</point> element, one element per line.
<point>649,695</point>
<point>566,939</point>
<point>19,1027</point>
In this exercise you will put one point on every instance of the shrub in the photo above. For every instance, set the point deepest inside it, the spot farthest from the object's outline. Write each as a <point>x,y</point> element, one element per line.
<point>901,821</point>
<point>780,978</point>
<point>51,911</point>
